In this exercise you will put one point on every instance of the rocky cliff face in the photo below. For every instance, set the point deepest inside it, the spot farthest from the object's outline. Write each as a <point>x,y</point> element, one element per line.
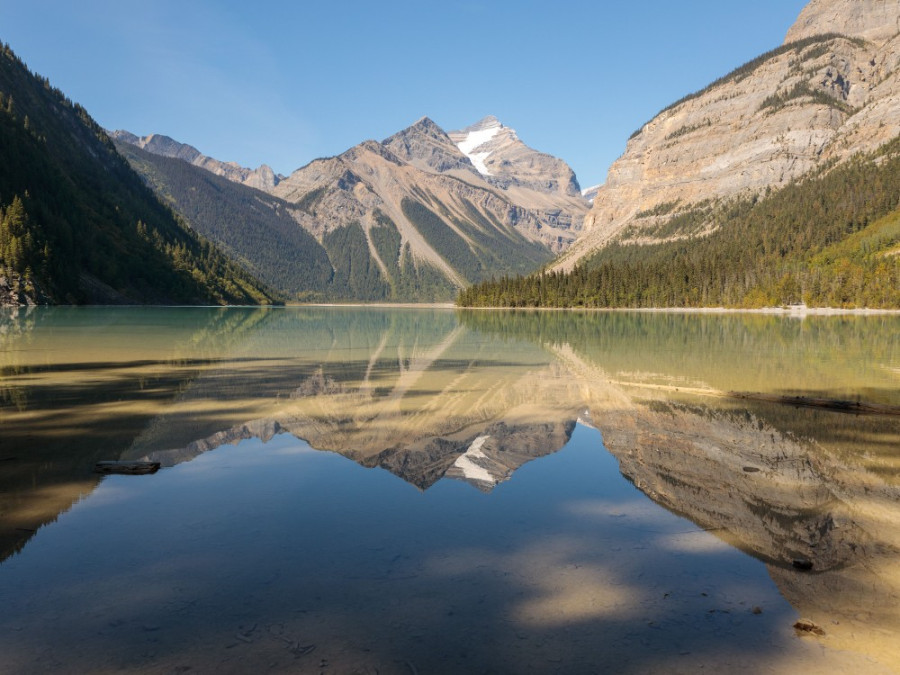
<point>14,292</point>
<point>830,91</point>
<point>874,20</point>
<point>262,178</point>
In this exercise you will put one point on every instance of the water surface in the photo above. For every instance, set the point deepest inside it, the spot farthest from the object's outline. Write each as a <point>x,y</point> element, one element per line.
<point>361,490</point>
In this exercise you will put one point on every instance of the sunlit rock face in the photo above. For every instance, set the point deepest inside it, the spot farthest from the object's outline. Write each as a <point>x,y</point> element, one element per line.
<point>873,20</point>
<point>831,91</point>
<point>534,181</point>
<point>423,162</point>
<point>528,207</point>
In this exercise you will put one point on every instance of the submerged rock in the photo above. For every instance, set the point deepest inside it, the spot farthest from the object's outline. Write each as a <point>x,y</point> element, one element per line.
<point>806,626</point>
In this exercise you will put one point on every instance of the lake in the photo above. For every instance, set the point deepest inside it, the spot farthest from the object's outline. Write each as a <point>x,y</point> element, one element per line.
<point>363,490</point>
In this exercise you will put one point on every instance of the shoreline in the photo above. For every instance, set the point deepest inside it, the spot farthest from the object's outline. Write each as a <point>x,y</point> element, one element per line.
<point>796,311</point>
<point>377,305</point>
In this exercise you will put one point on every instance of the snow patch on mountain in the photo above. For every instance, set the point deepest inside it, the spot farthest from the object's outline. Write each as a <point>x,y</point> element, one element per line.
<point>474,140</point>
<point>469,468</point>
<point>591,192</point>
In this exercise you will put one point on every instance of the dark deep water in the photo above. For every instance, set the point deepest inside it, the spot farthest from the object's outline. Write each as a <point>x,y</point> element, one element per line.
<point>368,490</point>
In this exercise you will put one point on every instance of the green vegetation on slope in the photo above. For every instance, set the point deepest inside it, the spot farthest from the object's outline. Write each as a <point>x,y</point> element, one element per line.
<point>356,274</point>
<point>78,225</point>
<point>486,249</point>
<point>253,227</point>
<point>420,282</point>
<point>802,90</point>
<point>450,245</point>
<point>830,239</point>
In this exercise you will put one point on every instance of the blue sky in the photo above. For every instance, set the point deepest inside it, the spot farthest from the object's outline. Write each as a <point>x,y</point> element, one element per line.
<point>286,82</point>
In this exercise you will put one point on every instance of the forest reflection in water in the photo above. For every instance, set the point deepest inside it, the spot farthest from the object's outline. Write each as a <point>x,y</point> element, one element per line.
<point>431,394</point>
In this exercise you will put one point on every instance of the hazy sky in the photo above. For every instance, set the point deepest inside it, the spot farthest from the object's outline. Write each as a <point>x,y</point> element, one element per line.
<point>286,82</point>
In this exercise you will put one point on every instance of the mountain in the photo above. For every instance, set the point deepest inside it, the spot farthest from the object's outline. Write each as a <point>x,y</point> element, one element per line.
<point>832,90</point>
<point>78,225</point>
<point>428,147</point>
<point>406,219</point>
<point>414,230</point>
<point>262,178</point>
<point>529,190</point>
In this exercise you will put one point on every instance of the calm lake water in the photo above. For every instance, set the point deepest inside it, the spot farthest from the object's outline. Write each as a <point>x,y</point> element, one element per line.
<point>431,491</point>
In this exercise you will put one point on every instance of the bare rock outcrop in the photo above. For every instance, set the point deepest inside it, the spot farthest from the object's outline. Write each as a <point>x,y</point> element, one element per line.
<point>14,292</point>
<point>874,20</point>
<point>426,146</point>
<point>262,178</point>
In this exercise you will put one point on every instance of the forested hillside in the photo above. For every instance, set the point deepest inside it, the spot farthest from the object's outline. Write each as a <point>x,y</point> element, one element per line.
<point>830,239</point>
<point>78,225</point>
<point>251,226</point>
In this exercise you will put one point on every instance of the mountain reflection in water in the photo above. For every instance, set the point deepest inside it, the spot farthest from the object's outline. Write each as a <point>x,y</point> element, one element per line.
<point>473,396</point>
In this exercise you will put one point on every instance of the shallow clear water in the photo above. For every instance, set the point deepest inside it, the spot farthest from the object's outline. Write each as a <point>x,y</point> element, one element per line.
<point>426,491</point>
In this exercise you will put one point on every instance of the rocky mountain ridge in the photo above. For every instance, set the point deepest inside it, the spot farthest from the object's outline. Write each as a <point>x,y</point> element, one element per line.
<point>262,178</point>
<point>437,222</point>
<point>832,90</point>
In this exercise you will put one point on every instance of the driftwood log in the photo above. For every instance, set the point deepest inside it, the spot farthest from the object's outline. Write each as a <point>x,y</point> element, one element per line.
<point>130,468</point>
